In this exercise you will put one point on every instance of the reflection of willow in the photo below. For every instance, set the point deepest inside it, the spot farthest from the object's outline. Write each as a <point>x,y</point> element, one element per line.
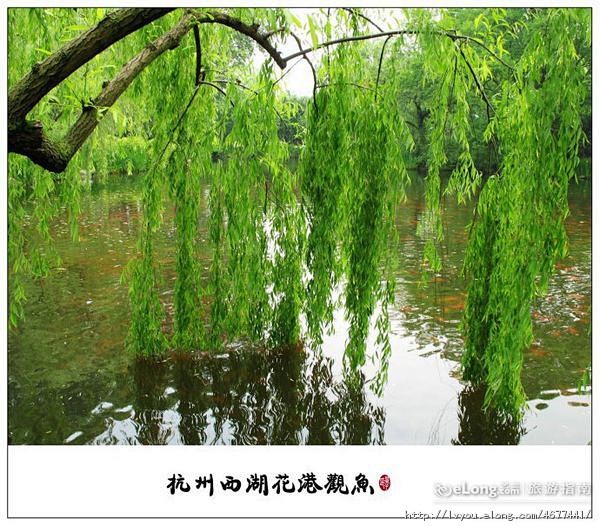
<point>253,397</point>
<point>485,427</point>
<point>349,418</point>
<point>149,401</point>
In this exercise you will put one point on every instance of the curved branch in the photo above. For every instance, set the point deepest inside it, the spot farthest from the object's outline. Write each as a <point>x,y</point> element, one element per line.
<point>380,64</point>
<point>312,68</point>
<point>481,44</point>
<point>219,89</point>
<point>235,83</point>
<point>29,138</point>
<point>449,34</point>
<point>49,73</point>
<point>216,17</point>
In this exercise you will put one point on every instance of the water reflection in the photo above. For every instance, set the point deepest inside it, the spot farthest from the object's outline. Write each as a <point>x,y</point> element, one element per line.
<point>484,427</point>
<point>71,381</point>
<point>243,397</point>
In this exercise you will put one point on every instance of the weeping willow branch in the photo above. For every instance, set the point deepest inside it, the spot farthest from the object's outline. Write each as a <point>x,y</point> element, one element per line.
<point>397,32</point>
<point>177,124</point>
<point>451,93</point>
<point>481,44</point>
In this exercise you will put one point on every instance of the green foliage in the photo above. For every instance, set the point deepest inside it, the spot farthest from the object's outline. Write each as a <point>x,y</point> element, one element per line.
<point>353,173</point>
<point>468,90</point>
<point>519,233</point>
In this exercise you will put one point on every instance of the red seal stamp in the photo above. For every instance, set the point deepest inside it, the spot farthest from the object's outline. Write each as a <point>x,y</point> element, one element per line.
<point>384,482</point>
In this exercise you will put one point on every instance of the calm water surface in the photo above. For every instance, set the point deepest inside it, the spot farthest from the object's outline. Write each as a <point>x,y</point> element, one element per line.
<point>71,381</point>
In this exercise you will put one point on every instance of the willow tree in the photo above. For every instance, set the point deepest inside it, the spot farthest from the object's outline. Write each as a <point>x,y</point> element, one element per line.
<point>282,241</point>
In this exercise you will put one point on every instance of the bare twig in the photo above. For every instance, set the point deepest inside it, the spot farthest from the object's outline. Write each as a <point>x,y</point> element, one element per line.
<point>452,35</point>
<point>477,82</point>
<point>364,17</point>
<point>326,85</point>
<point>288,70</point>
<point>314,72</point>
<point>219,89</point>
<point>235,83</point>
<point>199,76</point>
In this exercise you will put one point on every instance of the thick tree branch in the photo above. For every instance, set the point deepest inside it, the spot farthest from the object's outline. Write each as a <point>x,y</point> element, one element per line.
<point>29,138</point>
<point>88,120</point>
<point>49,73</point>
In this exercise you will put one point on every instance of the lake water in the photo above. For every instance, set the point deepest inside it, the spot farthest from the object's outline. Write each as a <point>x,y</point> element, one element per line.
<point>71,381</point>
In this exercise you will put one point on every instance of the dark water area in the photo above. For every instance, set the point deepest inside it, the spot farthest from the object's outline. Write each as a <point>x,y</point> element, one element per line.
<point>71,380</point>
